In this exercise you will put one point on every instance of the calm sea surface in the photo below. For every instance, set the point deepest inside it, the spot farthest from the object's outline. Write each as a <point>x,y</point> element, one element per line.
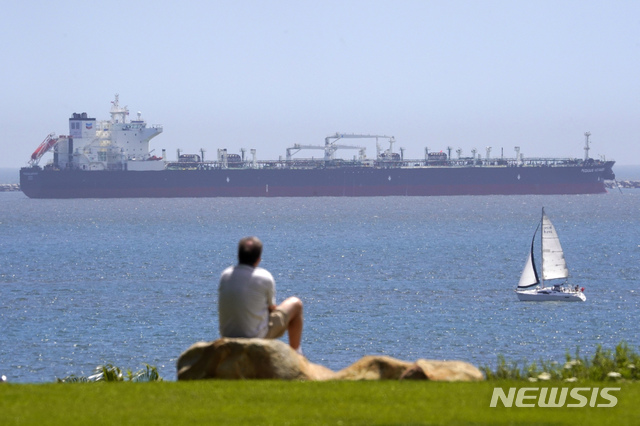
<point>134,281</point>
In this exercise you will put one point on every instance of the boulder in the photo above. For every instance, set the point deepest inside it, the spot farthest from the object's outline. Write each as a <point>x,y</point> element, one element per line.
<point>442,371</point>
<point>374,368</point>
<point>247,359</point>
<point>273,359</point>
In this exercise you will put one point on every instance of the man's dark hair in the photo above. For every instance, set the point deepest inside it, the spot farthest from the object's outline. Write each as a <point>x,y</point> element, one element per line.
<point>249,251</point>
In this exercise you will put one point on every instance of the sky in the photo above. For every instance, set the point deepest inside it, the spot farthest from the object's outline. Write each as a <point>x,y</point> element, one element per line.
<point>267,74</point>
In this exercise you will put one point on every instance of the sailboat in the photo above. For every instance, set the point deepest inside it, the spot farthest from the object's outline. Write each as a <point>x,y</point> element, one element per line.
<point>531,287</point>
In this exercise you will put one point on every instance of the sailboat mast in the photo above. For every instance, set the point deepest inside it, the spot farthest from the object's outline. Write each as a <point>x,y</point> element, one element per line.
<point>542,248</point>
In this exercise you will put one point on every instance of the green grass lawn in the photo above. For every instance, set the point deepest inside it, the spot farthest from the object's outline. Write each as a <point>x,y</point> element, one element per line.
<point>278,402</point>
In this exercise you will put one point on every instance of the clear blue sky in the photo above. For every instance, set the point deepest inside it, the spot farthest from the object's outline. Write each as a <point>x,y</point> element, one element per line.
<point>268,74</point>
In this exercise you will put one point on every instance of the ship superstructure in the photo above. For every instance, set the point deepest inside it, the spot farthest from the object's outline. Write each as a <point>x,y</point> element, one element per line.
<point>115,144</point>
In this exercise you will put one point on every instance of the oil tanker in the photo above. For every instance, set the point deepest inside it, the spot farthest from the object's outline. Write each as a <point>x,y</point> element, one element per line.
<point>112,159</point>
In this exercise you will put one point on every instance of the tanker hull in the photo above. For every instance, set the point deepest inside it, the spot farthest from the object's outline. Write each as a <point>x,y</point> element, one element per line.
<point>330,182</point>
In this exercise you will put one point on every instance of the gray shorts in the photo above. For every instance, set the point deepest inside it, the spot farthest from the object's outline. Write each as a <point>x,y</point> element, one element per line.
<point>278,321</point>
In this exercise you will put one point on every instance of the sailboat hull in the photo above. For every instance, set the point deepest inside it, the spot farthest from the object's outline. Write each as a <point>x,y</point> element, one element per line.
<point>550,295</point>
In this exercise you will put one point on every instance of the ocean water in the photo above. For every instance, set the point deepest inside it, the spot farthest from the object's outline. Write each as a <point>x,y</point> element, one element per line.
<point>9,175</point>
<point>134,281</point>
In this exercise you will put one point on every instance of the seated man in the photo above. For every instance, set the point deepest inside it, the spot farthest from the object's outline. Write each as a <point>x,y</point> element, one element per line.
<point>247,300</point>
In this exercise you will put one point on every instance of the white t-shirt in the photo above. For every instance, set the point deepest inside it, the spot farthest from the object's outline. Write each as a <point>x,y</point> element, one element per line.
<point>244,296</point>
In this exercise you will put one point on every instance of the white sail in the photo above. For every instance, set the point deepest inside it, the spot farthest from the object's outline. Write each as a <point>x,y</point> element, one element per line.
<point>553,263</point>
<point>529,276</point>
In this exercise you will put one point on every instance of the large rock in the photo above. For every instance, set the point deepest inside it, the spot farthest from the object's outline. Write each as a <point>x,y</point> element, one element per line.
<point>374,368</point>
<point>247,359</point>
<point>442,371</point>
<point>273,359</point>
<point>387,368</point>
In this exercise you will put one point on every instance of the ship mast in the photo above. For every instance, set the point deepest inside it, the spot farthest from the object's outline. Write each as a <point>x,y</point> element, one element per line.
<point>586,145</point>
<point>541,248</point>
<point>118,115</point>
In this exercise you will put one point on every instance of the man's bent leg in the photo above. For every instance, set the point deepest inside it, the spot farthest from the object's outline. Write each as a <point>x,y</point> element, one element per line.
<point>293,308</point>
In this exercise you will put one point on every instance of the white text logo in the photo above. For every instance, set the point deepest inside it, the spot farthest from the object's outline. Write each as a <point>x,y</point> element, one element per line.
<point>554,397</point>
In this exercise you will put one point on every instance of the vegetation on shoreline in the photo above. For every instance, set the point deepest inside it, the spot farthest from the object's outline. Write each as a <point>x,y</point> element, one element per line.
<point>604,365</point>
<point>111,373</point>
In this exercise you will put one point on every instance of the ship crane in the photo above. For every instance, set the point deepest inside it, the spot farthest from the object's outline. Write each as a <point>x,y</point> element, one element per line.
<point>297,147</point>
<point>329,150</point>
<point>338,136</point>
<point>334,147</point>
<point>48,143</point>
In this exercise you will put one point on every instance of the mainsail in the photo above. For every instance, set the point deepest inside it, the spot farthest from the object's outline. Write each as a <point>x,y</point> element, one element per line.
<point>553,263</point>
<point>529,276</point>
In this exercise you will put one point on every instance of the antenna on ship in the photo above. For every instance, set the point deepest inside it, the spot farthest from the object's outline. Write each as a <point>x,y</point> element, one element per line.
<point>117,111</point>
<point>586,145</point>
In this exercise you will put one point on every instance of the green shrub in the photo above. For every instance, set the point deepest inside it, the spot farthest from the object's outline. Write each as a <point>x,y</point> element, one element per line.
<point>111,373</point>
<point>605,365</point>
